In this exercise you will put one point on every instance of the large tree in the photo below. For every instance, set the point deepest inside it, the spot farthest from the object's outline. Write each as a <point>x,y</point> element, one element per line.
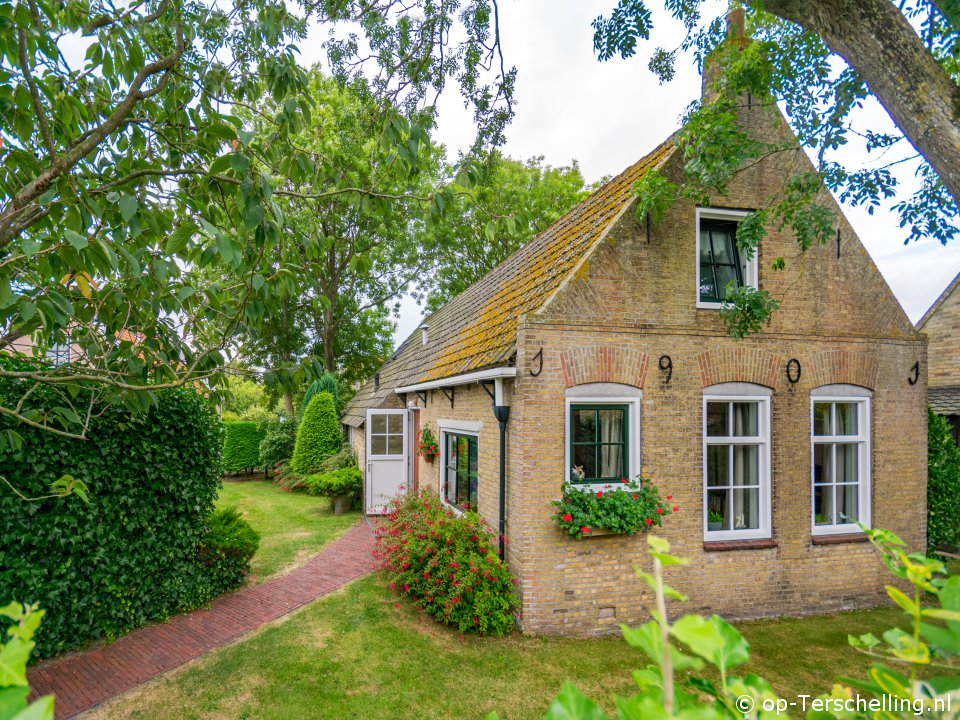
<point>512,201</point>
<point>126,170</point>
<point>820,59</point>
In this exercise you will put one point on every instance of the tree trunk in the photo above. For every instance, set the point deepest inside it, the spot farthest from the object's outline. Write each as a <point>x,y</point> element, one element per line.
<point>876,40</point>
<point>288,403</point>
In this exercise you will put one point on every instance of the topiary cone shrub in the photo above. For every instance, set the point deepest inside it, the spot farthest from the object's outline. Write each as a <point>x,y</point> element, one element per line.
<point>319,435</point>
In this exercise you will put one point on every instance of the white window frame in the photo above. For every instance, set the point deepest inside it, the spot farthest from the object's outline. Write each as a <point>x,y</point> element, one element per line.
<point>863,398</point>
<point>455,427</point>
<point>742,392</point>
<point>751,268</point>
<point>606,394</point>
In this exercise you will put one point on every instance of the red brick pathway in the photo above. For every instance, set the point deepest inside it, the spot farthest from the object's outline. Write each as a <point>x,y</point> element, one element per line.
<point>84,680</point>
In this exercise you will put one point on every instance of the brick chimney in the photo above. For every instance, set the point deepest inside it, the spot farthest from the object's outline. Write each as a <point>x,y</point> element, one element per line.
<point>736,34</point>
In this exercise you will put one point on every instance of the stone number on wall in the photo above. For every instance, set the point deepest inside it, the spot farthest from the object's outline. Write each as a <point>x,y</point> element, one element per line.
<point>916,373</point>
<point>793,371</point>
<point>666,367</point>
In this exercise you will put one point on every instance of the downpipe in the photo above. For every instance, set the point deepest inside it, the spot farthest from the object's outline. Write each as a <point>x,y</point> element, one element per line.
<point>502,414</point>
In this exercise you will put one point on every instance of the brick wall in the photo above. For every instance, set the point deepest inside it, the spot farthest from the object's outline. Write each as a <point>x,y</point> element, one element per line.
<point>943,330</point>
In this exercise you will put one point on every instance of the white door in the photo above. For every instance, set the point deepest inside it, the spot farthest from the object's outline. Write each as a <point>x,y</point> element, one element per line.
<point>386,458</point>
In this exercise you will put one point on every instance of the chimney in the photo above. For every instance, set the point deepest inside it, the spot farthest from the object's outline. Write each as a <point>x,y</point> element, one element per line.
<point>736,35</point>
<point>424,333</point>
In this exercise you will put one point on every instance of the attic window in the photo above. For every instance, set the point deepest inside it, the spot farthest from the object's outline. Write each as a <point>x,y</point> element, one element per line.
<point>720,264</point>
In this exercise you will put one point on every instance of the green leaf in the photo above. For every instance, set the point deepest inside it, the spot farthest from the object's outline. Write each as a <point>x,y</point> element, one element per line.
<point>128,206</point>
<point>74,238</point>
<point>571,704</point>
<point>13,662</point>
<point>239,161</point>
<point>180,237</point>
<point>41,709</point>
<point>902,600</point>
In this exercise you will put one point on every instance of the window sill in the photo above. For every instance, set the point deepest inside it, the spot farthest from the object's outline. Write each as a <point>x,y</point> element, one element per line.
<point>729,545</point>
<point>840,539</point>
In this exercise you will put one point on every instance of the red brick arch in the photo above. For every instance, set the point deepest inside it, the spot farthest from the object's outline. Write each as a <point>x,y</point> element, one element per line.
<point>739,365</point>
<point>604,363</point>
<point>844,366</point>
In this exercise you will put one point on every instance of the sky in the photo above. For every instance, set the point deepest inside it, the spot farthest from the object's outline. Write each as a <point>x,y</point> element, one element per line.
<point>570,106</point>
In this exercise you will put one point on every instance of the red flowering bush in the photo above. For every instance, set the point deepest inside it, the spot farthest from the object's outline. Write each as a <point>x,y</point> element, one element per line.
<point>286,479</point>
<point>446,564</point>
<point>427,445</point>
<point>625,507</point>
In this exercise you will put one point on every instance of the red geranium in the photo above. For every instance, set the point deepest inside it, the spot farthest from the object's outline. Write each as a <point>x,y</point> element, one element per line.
<point>568,518</point>
<point>676,508</point>
<point>600,493</point>
<point>648,521</point>
<point>584,529</point>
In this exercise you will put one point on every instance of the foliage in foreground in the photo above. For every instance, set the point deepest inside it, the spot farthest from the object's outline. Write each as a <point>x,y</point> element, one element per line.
<point>447,564</point>
<point>693,641</point>
<point>227,548</point>
<point>14,654</point>
<point>133,554</point>
<point>943,486</point>
<point>319,435</point>
<point>631,506</point>
<point>241,446</point>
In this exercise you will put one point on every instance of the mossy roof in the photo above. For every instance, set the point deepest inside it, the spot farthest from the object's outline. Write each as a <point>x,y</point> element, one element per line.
<point>477,329</point>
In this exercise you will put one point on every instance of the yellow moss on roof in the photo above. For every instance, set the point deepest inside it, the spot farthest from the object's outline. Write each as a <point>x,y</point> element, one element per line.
<point>535,273</point>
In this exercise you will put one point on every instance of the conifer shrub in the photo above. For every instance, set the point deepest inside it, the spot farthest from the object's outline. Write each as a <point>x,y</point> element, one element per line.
<point>319,435</point>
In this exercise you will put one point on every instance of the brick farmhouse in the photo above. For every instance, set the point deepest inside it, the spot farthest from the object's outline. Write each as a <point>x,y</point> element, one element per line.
<point>941,324</point>
<point>599,345</point>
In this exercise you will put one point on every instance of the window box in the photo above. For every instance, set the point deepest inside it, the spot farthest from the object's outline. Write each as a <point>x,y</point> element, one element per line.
<point>629,507</point>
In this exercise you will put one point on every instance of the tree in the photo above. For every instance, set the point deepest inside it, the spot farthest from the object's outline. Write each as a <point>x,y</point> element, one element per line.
<point>124,173</point>
<point>512,202</point>
<point>820,59</point>
<point>318,436</point>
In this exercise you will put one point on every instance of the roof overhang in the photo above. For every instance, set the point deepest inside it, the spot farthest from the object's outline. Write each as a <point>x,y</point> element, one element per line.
<point>479,376</point>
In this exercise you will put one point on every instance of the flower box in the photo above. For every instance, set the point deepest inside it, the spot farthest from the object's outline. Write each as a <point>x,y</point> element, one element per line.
<point>624,508</point>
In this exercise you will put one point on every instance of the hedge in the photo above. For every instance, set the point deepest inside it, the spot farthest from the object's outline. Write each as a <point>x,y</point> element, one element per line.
<point>241,447</point>
<point>136,553</point>
<point>228,547</point>
<point>319,435</point>
<point>943,486</point>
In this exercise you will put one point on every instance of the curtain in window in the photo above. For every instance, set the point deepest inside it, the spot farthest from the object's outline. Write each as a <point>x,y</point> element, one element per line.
<point>611,431</point>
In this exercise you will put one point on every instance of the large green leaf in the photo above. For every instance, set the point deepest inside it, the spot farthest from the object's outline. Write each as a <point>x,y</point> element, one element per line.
<point>571,704</point>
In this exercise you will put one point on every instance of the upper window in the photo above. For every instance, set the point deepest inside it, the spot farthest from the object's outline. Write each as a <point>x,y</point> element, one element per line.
<point>736,430</point>
<point>59,353</point>
<point>841,463</point>
<point>460,486</point>
<point>719,260</point>
<point>599,444</point>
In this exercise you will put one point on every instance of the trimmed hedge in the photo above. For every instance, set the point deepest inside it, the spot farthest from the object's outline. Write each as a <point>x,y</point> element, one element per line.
<point>319,435</point>
<point>135,554</point>
<point>241,446</point>
<point>943,486</point>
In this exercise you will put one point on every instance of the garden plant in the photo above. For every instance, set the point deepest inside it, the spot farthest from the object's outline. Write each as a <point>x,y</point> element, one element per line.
<point>627,507</point>
<point>241,446</point>
<point>319,435</point>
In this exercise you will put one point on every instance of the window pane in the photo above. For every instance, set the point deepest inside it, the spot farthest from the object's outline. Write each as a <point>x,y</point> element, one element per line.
<point>378,423</point>
<point>745,419</point>
<point>611,461</point>
<point>724,237</point>
<point>463,489</point>
<point>823,463</point>
<point>718,465</point>
<point>746,513</point>
<point>717,425</point>
<point>584,425</point>
<point>611,426</point>
<point>846,414</point>
<point>706,255</point>
<point>450,491</point>
<point>823,504</point>
<point>821,419</point>
<point>708,290</point>
<point>718,515</point>
<point>395,424</point>
<point>395,444</point>
<point>846,463</point>
<point>378,444</point>
<point>746,465</point>
<point>473,455</point>
<point>847,510</point>
<point>585,457</point>
<point>725,274</point>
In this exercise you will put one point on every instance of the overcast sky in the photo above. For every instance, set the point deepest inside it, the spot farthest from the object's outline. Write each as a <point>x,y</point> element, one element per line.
<point>608,115</point>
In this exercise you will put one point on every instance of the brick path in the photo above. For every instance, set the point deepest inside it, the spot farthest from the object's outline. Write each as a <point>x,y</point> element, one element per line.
<point>84,680</point>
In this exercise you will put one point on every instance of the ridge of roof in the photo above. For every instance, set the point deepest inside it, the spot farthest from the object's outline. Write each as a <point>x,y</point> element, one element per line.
<point>477,328</point>
<point>939,301</point>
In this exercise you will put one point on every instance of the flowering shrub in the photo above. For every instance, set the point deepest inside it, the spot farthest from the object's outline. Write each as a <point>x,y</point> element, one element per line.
<point>427,446</point>
<point>627,507</point>
<point>446,564</point>
<point>286,479</point>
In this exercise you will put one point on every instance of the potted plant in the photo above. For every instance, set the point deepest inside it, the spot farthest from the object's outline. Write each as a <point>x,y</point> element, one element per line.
<point>342,486</point>
<point>714,520</point>
<point>427,446</point>
<point>625,508</point>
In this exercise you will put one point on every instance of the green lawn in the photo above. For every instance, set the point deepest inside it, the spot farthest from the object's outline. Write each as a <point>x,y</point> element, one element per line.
<point>356,655</point>
<point>292,526</point>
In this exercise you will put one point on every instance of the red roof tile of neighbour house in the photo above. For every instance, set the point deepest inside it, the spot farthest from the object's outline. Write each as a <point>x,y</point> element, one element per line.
<point>477,329</point>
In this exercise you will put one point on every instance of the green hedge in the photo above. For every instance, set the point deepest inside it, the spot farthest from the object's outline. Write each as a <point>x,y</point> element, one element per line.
<point>943,486</point>
<point>241,446</point>
<point>136,553</point>
<point>319,435</point>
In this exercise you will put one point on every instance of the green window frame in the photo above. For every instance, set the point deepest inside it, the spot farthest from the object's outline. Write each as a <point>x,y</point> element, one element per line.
<point>719,259</point>
<point>460,482</point>
<point>595,448</point>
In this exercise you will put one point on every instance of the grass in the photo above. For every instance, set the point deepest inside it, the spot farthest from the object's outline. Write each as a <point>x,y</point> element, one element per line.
<point>356,655</point>
<point>292,526</point>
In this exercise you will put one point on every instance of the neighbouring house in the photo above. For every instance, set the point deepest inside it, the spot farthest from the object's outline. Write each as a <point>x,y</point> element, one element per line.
<point>599,344</point>
<point>941,324</point>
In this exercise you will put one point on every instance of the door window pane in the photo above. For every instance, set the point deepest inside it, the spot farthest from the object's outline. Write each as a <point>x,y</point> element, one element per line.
<point>395,444</point>
<point>378,444</point>
<point>378,423</point>
<point>395,424</point>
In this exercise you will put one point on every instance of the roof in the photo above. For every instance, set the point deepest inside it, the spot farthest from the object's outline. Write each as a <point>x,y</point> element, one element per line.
<point>944,400</point>
<point>939,301</point>
<point>477,329</point>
